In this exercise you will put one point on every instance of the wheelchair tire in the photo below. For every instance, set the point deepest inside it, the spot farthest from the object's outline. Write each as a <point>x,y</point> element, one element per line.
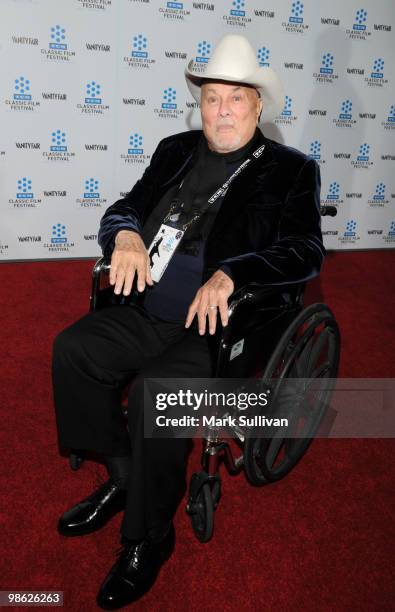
<point>203,517</point>
<point>313,335</point>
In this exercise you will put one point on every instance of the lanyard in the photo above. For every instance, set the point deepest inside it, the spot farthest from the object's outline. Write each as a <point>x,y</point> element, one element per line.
<point>220,191</point>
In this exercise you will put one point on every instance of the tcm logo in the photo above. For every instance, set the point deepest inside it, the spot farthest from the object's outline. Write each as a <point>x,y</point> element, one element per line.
<point>391,116</point>
<point>22,89</point>
<point>333,192</point>
<point>91,189</point>
<point>379,195</point>
<point>238,8</point>
<point>377,70</point>
<point>58,234</point>
<point>351,226</point>
<point>360,20</point>
<point>263,56</point>
<point>364,151</point>
<point>93,91</point>
<point>297,9</point>
<point>58,139</point>
<point>24,189</point>
<point>175,5</point>
<point>169,97</point>
<point>391,231</point>
<point>58,38</point>
<point>346,111</point>
<point>287,110</point>
<point>315,150</point>
<point>203,52</point>
<point>135,142</point>
<point>326,64</point>
<point>140,46</point>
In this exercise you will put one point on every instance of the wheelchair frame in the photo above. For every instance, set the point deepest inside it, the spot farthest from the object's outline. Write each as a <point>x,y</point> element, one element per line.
<point>305,335</point>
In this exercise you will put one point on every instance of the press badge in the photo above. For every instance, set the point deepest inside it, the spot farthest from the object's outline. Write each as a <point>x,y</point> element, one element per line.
<point>162,249</point>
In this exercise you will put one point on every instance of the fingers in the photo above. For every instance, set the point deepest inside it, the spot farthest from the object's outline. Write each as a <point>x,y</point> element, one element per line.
<point>212,310</point>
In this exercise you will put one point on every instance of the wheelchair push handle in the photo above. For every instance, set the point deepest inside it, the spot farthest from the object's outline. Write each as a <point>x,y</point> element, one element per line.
<point>328,211</point>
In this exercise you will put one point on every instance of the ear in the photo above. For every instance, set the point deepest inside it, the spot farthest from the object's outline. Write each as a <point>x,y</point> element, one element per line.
<point>259,110</point>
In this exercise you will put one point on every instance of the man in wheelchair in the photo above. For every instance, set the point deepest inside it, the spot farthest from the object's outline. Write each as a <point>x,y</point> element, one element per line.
<point>215,210</point>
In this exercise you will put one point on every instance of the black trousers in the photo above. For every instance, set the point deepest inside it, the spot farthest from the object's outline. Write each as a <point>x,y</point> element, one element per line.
<point>93,360</point>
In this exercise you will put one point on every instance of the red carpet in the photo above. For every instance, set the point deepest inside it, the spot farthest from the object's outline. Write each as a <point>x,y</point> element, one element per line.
<point>321,539</point>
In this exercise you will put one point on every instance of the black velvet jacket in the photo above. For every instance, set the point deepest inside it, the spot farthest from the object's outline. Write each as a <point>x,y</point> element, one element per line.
<point>268,229</point>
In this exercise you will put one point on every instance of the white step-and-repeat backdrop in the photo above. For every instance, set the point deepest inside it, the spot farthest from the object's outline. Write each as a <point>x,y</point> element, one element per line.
<point>89,87</point>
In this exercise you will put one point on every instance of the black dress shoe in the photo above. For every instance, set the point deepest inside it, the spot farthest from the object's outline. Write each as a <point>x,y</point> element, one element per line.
<point>93,512</point>
<point>135,571</point>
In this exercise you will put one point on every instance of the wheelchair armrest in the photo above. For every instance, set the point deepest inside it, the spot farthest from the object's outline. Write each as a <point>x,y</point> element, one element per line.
<point>101,266</point>
<point>256,293</point>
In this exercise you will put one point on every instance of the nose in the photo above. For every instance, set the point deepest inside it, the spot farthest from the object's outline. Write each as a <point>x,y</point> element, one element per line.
<point>224,109</point>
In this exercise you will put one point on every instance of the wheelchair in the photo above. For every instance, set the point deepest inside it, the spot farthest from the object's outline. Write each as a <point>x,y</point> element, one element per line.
<point>275,339</point>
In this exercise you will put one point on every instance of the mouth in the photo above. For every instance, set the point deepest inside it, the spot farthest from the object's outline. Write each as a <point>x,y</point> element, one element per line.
<point>224,128</point>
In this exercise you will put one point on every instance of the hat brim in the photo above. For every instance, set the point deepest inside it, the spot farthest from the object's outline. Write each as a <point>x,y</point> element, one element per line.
<point>265,80</point>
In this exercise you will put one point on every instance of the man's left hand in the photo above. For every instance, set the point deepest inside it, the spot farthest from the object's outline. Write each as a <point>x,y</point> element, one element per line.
<point>209,299</point>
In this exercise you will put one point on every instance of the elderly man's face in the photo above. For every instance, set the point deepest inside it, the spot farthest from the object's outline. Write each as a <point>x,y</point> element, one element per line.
<point>229,115</point>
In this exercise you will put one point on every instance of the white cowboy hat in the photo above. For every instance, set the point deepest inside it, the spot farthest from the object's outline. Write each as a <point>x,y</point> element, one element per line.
<point>234,60</point>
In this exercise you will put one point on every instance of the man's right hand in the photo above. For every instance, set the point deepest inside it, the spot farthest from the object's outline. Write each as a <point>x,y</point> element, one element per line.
<point>129,257</point>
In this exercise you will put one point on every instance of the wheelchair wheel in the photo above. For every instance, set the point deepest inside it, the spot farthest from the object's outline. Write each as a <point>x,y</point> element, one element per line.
<point>205,493</point>
<point>308,350</point>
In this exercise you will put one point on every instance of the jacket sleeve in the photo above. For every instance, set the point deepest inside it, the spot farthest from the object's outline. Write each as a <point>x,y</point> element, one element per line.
<point>127,213</point>
<point>297,254</point>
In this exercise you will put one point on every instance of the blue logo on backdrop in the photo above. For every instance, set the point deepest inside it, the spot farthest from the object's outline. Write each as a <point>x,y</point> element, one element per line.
<point>380,192</point>
<point>376,78</point>
<point>360,20</point>
<point>174,10</point>
<point>24,189</point>
<point>326,73</point>
<point>363,153</point>
<point>390,237</point>
<point>287,110</point>
<point>58,234</point>
<point>350,229</point>
<point>237,14</point>
<point>169,96</point>
<point>91,189</point>
<point>93,90</point>
<point>315,150</point>
<point>238,11</point>
<point>24,197</point>
<point>58,140</point>
<point>326,64</point>
<point>139,46</point>
<point>287,117</point>
<point>58,241</point>
<point>263,56</point>
<point>296,23</point>
<point>333,195</point>
<point>391,116</point>
<point>362,159</point>
<point>22,89</point>
<point>378,67</point>
<point>345,112</point>
<point>135,142</point>
<point>297,9</point>
<point>58,38</point>
<point>344,119</point>
<point>333,191</point>
<point>203,52</point>
<point>378,198</point>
